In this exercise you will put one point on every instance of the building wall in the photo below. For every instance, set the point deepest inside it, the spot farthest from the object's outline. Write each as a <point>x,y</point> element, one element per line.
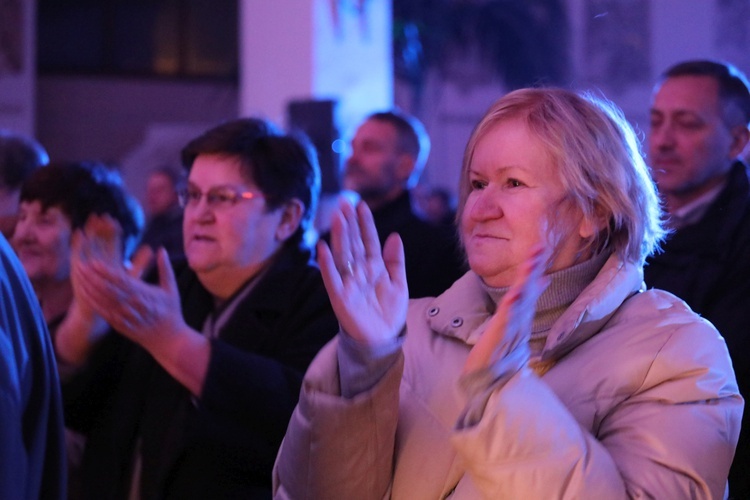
<point>618,47</point>
<point>113,120</point>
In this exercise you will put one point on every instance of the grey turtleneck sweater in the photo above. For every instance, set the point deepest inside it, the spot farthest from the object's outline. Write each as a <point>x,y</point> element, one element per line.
<point>565,285</point>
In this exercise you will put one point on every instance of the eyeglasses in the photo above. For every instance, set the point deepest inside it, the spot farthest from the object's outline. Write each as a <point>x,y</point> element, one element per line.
<point>218,197</point>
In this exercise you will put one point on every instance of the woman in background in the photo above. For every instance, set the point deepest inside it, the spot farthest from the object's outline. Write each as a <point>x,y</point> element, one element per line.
<point>55,201</point>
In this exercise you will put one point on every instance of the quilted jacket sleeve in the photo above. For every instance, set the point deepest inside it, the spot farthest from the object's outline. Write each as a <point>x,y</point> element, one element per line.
<point>338,447</point>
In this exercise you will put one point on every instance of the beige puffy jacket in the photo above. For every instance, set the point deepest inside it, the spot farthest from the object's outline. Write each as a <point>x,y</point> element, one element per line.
<point>636,398</point>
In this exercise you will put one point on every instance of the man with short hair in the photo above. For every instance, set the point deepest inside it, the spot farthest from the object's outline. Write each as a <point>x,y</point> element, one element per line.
<point>164,227</point>
<point>699,126</point>
<point>388,153</point>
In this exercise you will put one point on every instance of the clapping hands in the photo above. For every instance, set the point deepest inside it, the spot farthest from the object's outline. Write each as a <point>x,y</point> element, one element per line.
<point>105,284</point>
<point>510,326</point>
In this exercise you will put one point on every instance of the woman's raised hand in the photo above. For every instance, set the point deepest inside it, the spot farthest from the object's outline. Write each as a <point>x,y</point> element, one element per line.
<point>367,288</point>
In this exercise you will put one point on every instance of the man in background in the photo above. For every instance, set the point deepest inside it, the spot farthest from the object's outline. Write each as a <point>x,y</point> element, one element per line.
<point>699,126</point>
<point>32,445</point>
<point>388,154</point>
<point>164,226</point>
<point>19,157</point>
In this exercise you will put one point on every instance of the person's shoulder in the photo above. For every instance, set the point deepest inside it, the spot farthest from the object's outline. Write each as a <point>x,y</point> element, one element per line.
<point>738,187</point>
<point>663,317</point>
<point>654,302</point>
<point>655,340</point>
<point>293,273</point>
<point>16,285</point>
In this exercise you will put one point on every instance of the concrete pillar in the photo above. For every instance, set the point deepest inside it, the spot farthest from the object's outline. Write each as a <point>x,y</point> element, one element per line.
<point>315,49</point>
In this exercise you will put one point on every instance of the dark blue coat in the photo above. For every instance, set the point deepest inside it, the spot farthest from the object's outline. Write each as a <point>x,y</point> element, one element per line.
<point>32,445</point>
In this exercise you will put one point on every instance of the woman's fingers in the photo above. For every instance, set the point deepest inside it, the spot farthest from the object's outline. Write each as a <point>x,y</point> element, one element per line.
<point>393,258</point>
<point>340,240</point>
<point>369,234</point>
<point>510,326</point>
<point>167,280</point>
<point>110,293</point>
<point>356,247</point>
<point>92,292</point>
<point>328,270</point>
<point>140,261</point>
<point>105,237</point>
<point>354,241</point>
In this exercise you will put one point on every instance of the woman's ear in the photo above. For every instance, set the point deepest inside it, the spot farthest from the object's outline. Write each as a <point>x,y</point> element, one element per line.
<point>587,229</point>
<point>291,216</point>
<point>592,225</point>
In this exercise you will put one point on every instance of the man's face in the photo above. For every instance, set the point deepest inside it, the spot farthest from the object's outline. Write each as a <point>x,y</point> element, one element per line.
<point>690,146</point>
<point>161,194</point>
<point>372,169</point>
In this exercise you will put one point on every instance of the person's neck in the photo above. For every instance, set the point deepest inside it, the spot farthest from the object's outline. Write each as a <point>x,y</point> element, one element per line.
<point>55,297</point>
<point>376,202</point>
<point>224,283</point>
<point>167,212</point>
<point>674,201</point>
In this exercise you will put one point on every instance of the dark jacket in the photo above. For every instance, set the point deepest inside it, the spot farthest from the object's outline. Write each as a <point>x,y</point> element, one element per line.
<point>224,445</point>
<point>432,253</point>
<point>165,230</point>
<point>32,446</point>
<point>707,264</point>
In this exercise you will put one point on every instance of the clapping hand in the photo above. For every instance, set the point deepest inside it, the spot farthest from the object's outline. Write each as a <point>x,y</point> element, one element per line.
<point>99,239</point>
<point>510,326</point>
<point>367,288</point>
<point>145,313</point>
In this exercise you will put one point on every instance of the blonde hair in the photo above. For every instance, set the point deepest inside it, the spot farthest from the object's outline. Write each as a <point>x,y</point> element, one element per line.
<point>599,161</point>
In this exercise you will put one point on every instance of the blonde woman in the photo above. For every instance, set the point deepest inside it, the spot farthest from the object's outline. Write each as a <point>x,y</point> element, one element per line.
<point>547,371</point>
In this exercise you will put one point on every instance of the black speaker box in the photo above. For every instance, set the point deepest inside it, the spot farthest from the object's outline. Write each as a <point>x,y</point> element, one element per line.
<point>317,119</point>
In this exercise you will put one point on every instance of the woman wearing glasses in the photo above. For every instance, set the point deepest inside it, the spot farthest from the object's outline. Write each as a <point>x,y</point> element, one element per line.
<point>219,345</point>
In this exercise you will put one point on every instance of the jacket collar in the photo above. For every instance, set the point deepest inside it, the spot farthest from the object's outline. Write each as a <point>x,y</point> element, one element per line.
<point>277,282</point>
<point>463,310</point>
<point>720,222</point>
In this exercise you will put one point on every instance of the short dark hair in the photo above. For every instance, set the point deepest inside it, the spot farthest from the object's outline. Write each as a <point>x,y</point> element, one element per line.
<point>734,90</point>
<point>80,189</point>
<point>20,156</point>
<point>412,136</point>
<point>283,166</point>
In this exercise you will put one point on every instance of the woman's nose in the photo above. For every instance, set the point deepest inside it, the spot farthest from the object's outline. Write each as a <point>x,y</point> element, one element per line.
<point>199,212</point>
<point>486,205</point>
